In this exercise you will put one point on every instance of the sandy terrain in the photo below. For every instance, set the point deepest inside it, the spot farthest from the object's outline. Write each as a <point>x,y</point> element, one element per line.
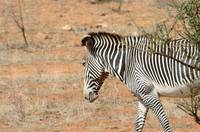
<point>41,86</point>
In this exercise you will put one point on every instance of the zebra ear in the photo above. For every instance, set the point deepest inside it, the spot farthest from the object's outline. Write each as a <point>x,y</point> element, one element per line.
<point>88,41</point>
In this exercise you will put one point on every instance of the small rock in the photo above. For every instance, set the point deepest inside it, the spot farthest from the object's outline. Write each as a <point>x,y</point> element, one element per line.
<point>101,25</point>
<point>67,27</point>
<point>80,29</point>
<point>129,24</point>
<point>92,1</point>
<point>61,15</point>
<point>42,36</point>
<point>46,37</point>
<point>115,127</point>
<point>103,14</point>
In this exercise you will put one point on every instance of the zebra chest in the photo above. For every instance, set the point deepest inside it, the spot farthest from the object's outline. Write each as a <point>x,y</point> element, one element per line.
<point>183,90</point>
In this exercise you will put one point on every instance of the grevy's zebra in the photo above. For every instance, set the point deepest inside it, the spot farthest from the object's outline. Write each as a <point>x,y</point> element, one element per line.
<point>149,70</point>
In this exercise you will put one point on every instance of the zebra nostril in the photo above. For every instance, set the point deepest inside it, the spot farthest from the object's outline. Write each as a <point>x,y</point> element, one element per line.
<point>91,96</point>
<point>86,98</point>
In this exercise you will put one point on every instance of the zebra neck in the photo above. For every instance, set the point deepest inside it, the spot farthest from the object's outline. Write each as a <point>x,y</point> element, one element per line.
<point>115,62</point>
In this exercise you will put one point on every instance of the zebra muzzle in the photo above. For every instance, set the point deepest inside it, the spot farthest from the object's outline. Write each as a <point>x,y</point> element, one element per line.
<point>92,96</point>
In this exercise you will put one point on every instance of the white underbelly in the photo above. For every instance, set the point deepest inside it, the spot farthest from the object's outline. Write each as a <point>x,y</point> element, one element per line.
<point>179,90</point>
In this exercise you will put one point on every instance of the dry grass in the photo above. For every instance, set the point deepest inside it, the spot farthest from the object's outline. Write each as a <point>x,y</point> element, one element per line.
<point>41,87</point>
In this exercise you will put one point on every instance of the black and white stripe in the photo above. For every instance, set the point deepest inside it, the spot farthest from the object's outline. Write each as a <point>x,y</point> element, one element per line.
<point>143,65</point>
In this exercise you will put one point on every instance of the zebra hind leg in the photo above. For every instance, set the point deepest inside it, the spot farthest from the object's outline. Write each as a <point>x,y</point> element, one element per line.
<point>140,120</point>
<point>153,103</point>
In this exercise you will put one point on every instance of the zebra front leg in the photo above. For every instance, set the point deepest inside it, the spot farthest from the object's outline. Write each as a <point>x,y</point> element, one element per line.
<point>153,103</point>
<point>140,120</point>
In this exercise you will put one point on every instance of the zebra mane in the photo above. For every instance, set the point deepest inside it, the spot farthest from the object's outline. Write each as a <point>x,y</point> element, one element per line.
<point>119,39</point>
<point>112,35</point>
<point>115,37</point>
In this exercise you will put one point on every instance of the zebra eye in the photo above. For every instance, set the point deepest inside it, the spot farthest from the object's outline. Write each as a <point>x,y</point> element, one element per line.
<point>83,63</point>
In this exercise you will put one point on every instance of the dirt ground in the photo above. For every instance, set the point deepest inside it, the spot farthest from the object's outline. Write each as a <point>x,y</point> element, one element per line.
<point>41,85</point>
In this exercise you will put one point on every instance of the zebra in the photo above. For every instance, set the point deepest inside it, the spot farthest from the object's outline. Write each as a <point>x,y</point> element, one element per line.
<point>148,68</point>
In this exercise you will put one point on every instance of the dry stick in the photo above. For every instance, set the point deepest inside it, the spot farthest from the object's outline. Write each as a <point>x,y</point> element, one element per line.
<point>193,67</point>
<point>193,110</point>
<point>197,119</point>
<point>165,55</point>
<point>180,106</point>
<point>120,5</point>
<point>190,111</point>
<point>20,24</point>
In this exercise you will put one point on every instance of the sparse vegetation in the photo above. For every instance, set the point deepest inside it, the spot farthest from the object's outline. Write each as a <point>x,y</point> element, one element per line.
<point>191,107</point>
<point>188,13</point>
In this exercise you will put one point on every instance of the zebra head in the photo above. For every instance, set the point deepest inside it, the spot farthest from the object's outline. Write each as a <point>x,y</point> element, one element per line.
<point>94,70</point>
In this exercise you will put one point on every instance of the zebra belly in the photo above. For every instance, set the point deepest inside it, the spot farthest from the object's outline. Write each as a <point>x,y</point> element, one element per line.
<point>179,90</point>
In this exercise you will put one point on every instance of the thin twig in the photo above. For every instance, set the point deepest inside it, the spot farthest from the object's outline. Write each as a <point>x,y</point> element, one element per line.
<point>165,55</point>
<point>183,109</point>
<point>20,22</point>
